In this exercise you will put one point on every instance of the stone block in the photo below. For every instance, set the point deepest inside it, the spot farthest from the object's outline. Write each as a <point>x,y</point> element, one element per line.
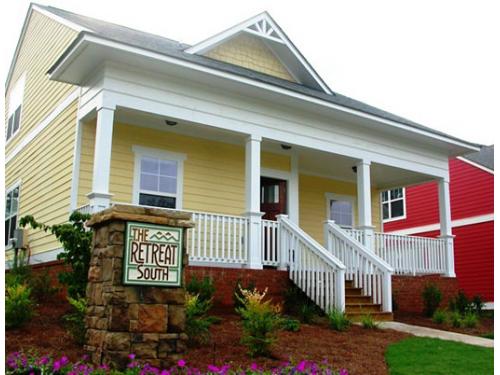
<point>153,318</point>
<point>117,341</point>
<point>176,318</point>
<point>144,351</point>
<point>118,320</point>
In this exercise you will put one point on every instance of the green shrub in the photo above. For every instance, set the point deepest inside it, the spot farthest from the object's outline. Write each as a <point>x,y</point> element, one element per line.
<point>41,286</point>
<point>289,324</point>
<point>455,319</point>
<point>470,320</point>
<point>197,321</point>
<point>238,296</point>
<point>338,320</point>
<point>75,321</point>
<point>432,298</point>
<point>203,288</point>
<point>260,320</point>
<point>76,241</point>
<point>298,304</point>
<point>478,304</point>
<point>18,305</point>
<point>368,322</point>
<point>439,316</point>
<point>460,303</point>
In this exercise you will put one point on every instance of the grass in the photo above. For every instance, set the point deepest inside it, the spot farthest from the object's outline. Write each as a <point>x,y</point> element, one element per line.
<point>419,355</point>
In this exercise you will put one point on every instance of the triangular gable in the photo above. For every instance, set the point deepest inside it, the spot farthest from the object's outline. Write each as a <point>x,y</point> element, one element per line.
<point>263,28</point>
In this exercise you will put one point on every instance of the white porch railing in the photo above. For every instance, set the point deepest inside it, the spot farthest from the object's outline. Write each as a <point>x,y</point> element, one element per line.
<point>363,267</point>
<point>357,234</point>
<point>311,267</point>
<point>218,238</point>
<point>270,243</point>
<point>412,255</point>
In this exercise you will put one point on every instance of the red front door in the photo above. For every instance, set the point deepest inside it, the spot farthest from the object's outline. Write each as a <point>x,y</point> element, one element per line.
<point>272,197</point>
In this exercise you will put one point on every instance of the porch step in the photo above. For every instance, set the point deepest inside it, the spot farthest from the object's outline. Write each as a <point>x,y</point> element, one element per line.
<point>377,316</point>
<point>357,299</point>
<point>350,291</point>
<point>362,308</point>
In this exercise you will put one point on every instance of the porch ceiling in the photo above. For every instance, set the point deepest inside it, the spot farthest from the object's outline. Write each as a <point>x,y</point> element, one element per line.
<point>310,161</point>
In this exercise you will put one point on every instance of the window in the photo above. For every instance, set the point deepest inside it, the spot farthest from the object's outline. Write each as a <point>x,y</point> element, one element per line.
<point>158,180</point>
<point>11,209</point>
<point>14,110</point>
<point>340,209</point>
<point>393,204</point>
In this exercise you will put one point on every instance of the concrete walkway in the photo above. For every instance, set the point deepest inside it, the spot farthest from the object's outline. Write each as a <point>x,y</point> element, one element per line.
<point>438,334</point>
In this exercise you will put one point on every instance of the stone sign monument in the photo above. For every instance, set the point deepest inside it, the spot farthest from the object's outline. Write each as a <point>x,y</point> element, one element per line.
<point>135,292</point>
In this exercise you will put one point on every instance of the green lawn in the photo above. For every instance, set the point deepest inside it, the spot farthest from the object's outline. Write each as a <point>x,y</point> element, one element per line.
<point>419,355</point>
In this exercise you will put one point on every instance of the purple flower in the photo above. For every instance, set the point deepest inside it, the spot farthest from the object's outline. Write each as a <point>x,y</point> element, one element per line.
<point>131,356</point>
<point>343,372</point>
<point>181,363</point>
<point>57,366</point>
<point>165,372</point>
<point>254,367</point>
<point>213,368</point>
<point>301,366</point>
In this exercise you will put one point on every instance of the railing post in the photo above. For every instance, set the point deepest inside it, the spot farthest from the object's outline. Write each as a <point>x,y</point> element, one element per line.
<point>326,234</point>
<point>387,292</point>
<point>340,290</point>
<point>283,251</point>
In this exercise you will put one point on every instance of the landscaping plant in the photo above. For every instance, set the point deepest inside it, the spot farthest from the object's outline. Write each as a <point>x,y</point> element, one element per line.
<point>432,298</point>
<point>260,320</point>
<point>75,321</point>
<point>455,319</point>
<point>20,363</point>
<point>368,322</point>
<point>439,316</point>
<point>76,242</point>
<point>460,303</point>
<point>478,304</point>
<point>238,294</point>
<point>289,324</point>
<point>197,321</point>
<point>203,288</point>
<point>338,320</point>
<point>298,304</point>
<point>18,305</point>
<point>41,286</point>
<point>470,320</point>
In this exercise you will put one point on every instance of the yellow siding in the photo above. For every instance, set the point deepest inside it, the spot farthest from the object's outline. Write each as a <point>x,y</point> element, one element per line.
<point>44,169</point>
<point>214,172</point>
<point>44,40</point>
<point>249,52</point>
<point>312,202</point>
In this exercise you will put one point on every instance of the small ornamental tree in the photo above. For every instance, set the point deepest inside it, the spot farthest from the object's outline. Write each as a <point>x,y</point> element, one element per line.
<point>76,242</point>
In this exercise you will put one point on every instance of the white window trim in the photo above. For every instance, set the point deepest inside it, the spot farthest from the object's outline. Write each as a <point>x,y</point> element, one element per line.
<point>18,89</point>
<point>340,197</point>
<point>16,184</point>
<point>141,151</point>
<point>403,217</point>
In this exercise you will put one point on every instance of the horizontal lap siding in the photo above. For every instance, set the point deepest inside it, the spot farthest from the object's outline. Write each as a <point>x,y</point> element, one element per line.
<point>44,166</point>
<point>312,203</point>
<point>44,42</point>
<point>44,169</point>
<point>214,172</point>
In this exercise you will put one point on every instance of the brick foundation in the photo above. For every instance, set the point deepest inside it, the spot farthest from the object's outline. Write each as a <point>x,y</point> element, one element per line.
<point>407,291</point>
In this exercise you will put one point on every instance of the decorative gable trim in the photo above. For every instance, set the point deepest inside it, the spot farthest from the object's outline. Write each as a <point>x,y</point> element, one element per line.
<point>263,26</point>
<point>479,166</point>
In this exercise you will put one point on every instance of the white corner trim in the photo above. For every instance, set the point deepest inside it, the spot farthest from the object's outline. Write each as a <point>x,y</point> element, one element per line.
<point>59,19</point>
<point>42,125</point>
<point>140,151</point>
<point>455,223</point>
<point>483,168</point>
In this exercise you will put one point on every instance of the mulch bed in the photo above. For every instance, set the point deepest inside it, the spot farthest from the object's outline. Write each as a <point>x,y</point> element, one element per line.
<point>358,350</point>
<point>486,324</point>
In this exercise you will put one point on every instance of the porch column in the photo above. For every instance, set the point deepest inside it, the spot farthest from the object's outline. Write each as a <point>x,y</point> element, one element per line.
<point>100,198</point>
<point>365,202</point>
<point>252,199</point>
<point>293,190</point>
<point>445,222</point>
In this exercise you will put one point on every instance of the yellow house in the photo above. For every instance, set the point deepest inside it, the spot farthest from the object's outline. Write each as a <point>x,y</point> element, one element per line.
<point>239,129</point>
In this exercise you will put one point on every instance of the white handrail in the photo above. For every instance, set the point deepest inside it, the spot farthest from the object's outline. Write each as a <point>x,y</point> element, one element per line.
<point>311,267</point>
<point>364,268</point>
<point>270,243</point>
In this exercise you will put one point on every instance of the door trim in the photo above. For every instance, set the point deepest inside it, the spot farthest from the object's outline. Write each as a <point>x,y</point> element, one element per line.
<point>291,194</point>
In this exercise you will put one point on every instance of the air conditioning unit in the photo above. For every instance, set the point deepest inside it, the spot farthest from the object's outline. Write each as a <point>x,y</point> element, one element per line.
<point>20,239</point>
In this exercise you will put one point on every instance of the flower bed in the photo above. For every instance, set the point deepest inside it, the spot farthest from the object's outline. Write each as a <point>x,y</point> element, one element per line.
<point>20,363</point>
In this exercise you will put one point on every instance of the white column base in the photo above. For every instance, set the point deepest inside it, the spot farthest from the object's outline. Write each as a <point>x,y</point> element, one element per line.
<point>368,236</point>
<point>254,240</point>
<point>99,201</point>
<point>450,258</point>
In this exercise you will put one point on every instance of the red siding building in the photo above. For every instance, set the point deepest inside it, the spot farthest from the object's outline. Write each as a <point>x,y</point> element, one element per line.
<point>472,202</point>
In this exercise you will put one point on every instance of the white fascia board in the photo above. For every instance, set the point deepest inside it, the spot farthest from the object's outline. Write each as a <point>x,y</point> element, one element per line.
<point>483,168</point>
<point>93,39</point>
<point>32,7</point>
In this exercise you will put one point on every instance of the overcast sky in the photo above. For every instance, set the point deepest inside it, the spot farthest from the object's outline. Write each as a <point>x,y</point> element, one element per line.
<point>434,62</point>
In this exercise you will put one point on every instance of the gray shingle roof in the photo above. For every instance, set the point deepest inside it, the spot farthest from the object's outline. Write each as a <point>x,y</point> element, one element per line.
<point>176,49</point>
<point>484,157</point>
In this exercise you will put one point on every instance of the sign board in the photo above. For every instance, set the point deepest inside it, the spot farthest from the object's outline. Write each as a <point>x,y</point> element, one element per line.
<point>153,255</point>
